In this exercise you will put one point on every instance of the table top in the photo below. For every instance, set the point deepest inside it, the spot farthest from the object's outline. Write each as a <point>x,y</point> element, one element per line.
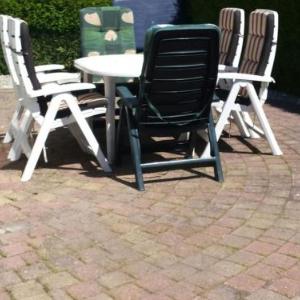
<point>116,65</point>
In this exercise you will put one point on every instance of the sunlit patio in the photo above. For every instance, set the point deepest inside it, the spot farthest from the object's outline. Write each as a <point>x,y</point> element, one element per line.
<point>74,233</point>
<point>149,150</point>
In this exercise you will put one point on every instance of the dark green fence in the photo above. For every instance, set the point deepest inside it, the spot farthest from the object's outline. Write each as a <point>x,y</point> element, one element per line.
<point>54,26</point>
<point>287,63</point>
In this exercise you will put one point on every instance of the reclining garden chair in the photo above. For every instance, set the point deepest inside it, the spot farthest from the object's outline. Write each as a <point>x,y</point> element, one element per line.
<point>52,105</point>
<point>232,25</point>
<point>43,75</point>
<point>106,30</point>
<point>250,85</point>
<point>175,92</point>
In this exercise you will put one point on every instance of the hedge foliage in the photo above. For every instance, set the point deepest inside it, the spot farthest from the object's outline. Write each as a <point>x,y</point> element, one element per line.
<point>287,63</point>
<point>54,27</point>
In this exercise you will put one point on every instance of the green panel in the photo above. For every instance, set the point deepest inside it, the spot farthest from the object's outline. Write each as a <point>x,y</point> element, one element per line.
<point>106,30</point>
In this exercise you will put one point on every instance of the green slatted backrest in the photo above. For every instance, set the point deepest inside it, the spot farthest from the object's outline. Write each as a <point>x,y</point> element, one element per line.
<point>179,74</point>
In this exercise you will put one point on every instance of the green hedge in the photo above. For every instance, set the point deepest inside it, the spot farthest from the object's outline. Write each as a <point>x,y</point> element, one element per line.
<point>287,63</point>
<point>54,27</point>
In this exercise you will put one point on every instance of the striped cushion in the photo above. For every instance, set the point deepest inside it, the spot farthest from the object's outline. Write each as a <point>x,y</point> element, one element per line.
<point>230,25</point>
<point>87,100</point>
<point>260,39</point>
<point>261,23</point>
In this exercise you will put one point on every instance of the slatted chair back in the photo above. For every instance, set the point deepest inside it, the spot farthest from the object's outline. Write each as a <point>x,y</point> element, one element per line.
<point>232,25</point>
<point>179,74</point>
<point>4,39</point>
<point>21,50</point>
<point>259,53</point>
<point>22,54</point>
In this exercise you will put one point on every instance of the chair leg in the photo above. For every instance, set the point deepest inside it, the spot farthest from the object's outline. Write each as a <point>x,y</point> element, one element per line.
<point>253,130</point>
<point>192,144</point>
<point>118,158</point>
<point>40,141</point>
<point>227,108</point>
<point>263,120</point>
<point>21,143</point>
<point>78,135</point>
<point>9,136</point>
<point>215,150</point>
<point>240,123</point>
<point>135,149</point>
<point>87,132</point>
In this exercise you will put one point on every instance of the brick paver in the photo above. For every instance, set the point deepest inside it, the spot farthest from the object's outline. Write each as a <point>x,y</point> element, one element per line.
<point>74,233</point>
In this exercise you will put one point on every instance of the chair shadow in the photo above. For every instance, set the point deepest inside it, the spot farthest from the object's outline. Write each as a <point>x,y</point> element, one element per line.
<point>127,170</point>
<point>284,101</point>
<point>63,153</point>
<point>225,147</point>
<point>150,147</point>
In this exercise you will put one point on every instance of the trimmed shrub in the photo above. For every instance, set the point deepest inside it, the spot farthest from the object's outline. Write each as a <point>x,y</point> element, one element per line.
<point>54,27</point>
<point>287,65</point>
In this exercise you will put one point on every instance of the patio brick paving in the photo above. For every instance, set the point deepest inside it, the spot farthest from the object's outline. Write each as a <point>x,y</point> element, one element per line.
<point>74,233</point>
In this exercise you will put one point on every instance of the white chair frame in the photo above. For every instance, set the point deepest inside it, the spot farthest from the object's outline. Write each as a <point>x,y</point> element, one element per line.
<point>239,112</point>
<point>60,94</point>
<point>61,77</point>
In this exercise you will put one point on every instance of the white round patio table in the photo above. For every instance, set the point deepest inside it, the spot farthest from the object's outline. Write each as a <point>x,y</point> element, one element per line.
<point>110,67</point>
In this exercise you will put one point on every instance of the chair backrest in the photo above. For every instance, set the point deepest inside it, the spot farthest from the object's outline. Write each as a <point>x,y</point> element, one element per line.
<point>106,30</point>
<point>179,74</point>
<point>232,25</point>
<point>4,39</point>
<point>148,13</point>
<point>260,50</point>
<point>259,53</point>
<point>21,49</point>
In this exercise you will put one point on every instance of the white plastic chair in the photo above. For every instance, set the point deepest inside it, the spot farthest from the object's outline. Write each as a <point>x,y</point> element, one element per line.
<point>42,74</point>
<point>250,85</point>
<point>35,97</point>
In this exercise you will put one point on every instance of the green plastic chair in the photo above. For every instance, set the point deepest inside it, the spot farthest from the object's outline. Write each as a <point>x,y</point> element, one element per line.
<point>106,30</point>
<point>175,93</point>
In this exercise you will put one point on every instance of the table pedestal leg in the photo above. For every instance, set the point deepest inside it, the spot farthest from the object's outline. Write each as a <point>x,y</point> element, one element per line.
<point>109,88</point>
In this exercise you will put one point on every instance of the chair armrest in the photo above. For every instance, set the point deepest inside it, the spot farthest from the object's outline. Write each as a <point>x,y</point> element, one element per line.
<point>126,96</point>
<point>245,77</point>
<point>60,77</point>
<point>224,68</point>
<point>45,68</point>
<point>54,89</point>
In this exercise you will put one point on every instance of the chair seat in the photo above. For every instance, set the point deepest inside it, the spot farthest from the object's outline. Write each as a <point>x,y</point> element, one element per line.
<point>85,101</point>
<point>89,100</point>
<point>221,94</point>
